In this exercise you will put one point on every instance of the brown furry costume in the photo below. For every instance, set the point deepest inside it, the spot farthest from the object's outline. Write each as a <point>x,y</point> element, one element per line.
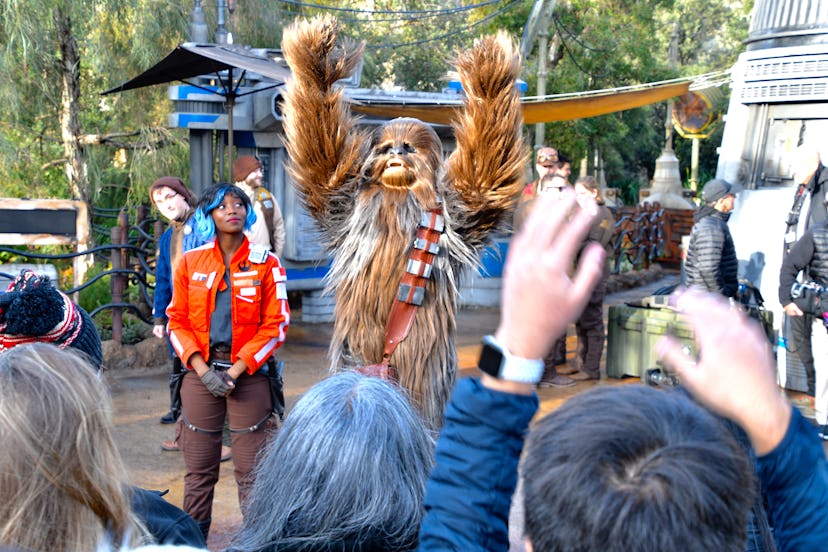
<point>368,190</point>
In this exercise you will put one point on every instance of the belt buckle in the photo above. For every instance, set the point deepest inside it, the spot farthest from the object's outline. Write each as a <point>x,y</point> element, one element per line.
<point>221,365</point>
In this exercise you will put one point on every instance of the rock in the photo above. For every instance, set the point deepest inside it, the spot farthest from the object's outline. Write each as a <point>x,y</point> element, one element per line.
<point>152,352</point>
<point>113,354</point>
<point>149,353</point>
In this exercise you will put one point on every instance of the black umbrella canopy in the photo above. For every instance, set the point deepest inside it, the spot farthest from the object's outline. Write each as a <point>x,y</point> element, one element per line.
<point>191,60</point>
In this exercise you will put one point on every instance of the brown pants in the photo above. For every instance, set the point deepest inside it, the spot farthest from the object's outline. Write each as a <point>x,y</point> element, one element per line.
<point>248,405</point>
<point>590,330</point>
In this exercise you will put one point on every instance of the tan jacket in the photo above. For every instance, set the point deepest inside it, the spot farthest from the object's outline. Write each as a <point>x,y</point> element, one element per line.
<point>258,233</point>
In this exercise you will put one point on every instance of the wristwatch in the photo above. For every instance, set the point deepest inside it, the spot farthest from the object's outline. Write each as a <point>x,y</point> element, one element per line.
<point>498,362</point>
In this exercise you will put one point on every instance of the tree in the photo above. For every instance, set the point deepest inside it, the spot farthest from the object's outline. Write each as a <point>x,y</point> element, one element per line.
<point>409,44</point>
<point>58,56</point>
<point>609,43</point>
<point>59,138</point>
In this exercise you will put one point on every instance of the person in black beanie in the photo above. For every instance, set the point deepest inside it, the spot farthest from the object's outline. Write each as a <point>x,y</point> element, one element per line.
<point>33,310</point>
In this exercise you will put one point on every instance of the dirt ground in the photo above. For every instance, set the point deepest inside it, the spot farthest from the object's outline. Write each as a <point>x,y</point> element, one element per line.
<point>141,397</point>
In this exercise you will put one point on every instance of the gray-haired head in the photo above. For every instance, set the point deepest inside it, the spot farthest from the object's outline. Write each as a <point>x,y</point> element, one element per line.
<point>350,465</point>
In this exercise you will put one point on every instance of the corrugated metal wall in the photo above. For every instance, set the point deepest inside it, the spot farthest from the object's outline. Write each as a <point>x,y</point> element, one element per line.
<point>778,23</point>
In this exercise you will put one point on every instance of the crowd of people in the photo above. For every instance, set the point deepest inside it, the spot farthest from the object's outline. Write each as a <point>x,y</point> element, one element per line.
<point>553,171</point>
<point>353,466</point>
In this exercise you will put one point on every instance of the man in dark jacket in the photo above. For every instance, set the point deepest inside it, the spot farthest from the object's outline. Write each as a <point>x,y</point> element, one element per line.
<point>711,256</point>
<point>809,209</point>
<point>810,254</point>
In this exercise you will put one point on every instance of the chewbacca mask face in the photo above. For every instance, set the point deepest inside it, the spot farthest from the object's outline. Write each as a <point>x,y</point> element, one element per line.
<point>405,156</point>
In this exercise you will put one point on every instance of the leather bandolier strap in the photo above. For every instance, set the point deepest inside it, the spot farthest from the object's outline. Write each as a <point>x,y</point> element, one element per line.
<point>411,292</point>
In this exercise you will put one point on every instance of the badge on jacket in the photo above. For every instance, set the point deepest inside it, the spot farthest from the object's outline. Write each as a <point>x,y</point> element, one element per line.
<point>258,253</point>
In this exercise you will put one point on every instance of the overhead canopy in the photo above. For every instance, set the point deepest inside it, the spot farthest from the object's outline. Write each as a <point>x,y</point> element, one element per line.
<point>191,60</point>
<point>562,107</point>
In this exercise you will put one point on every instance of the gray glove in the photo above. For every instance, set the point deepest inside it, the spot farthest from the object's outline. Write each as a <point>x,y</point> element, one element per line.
<point>216,384</point>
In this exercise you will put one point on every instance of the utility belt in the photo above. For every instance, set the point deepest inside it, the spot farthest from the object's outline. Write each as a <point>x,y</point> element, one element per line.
<point>251,429</point>
<point>220,360</point>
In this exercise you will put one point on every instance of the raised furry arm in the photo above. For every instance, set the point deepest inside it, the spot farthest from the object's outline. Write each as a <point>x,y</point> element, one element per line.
<point>325,149</point>
<point>486,171</point>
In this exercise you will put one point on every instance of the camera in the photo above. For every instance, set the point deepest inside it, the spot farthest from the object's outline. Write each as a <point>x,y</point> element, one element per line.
<point>810,297</point>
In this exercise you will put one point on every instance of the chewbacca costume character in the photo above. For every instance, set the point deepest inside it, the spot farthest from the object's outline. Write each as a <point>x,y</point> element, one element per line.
<point>369,191</point>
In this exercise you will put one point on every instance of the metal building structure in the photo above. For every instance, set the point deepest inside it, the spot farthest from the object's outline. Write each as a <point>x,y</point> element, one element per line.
<point>780,92</point>
<point>779,100</point>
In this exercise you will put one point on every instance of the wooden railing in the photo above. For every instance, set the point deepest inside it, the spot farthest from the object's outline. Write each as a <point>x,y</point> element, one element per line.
<point>648,233</point>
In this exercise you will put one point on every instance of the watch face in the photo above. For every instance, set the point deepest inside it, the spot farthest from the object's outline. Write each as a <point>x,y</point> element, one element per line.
<point>490,360</point>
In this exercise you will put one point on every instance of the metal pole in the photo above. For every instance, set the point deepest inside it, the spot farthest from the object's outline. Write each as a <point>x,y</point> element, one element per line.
<point>221,31</point>
<point>543,67</point>
<point>115,284</point>
<point>231,102</point>
<point>543,55</point>
<point>694,165</point>
<point>197,27</point>
<point>668,120</point>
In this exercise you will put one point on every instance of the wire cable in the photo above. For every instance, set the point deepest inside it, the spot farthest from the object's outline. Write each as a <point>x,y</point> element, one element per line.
<point>559,25</point>
<point>449,34</point>
<point>432,12</point>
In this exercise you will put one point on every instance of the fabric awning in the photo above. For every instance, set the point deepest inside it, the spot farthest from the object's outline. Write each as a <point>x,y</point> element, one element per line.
<point>561,107</point>
<point>191,60</point>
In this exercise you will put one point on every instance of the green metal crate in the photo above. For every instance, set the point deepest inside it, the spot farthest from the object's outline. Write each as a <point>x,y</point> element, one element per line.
<point>632,333</point>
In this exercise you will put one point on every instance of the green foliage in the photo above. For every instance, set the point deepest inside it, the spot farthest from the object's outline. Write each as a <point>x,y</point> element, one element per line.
<point>98,293</point>
<point>408,43</point>
<point>602,43</point>
<point>133,330</point>
<point>710,34</point>
<point>116,39</point>
<point>630,47</point>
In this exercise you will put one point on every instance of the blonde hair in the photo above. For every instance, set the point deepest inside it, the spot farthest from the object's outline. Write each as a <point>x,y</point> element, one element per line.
<point>62,482</point>
<point>590,183</point>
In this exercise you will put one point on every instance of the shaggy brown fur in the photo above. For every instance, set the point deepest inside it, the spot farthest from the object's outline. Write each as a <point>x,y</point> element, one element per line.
<point>367,193</point>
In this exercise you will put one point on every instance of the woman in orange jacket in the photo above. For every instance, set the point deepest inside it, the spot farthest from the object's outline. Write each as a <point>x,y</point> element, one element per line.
<point>228,314</point>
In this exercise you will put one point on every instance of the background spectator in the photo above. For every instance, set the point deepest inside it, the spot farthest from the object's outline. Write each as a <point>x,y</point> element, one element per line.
<point>62,483</point>
<point>711,262</point>
<point>269,227</point>
<point>32,310</point>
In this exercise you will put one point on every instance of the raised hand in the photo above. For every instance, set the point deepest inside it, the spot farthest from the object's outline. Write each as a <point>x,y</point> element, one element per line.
<point>734,374</point>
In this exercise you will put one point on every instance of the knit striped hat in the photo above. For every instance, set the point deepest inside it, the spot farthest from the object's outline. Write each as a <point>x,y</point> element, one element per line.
<point>32,310</point>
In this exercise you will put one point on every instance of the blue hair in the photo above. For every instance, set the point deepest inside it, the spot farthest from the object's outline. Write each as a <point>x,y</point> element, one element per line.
<point>212,198</point>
